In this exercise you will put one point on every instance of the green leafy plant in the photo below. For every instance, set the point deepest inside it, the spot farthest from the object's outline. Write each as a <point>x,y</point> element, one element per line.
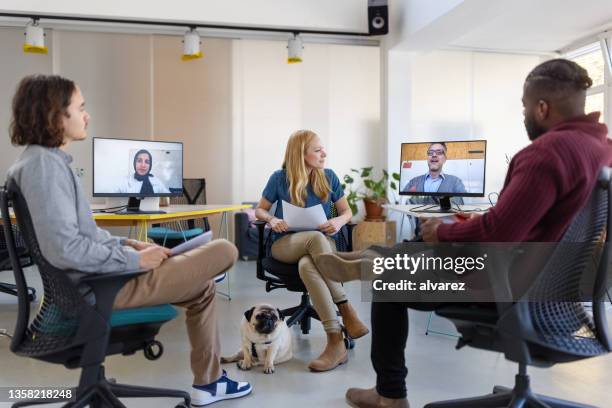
<point>374,189</point>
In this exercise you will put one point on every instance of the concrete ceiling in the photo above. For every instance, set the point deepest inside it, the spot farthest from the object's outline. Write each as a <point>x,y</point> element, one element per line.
<point>523,26</point>
<point>539,25</point>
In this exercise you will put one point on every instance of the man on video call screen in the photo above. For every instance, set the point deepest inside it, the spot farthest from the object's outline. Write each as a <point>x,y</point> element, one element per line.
<point>443,167</point>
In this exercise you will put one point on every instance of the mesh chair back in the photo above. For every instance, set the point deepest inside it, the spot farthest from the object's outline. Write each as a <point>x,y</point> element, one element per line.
<point>554,301</point>
<point>194,193</point>
<point>63,307</point>
<point>5,260</point>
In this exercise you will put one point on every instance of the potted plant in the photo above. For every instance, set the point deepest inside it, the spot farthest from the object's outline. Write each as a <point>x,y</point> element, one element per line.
<point>374,194</point>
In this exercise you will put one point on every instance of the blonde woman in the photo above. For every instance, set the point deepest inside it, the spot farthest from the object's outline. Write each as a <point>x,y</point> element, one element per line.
<point>305,182</point>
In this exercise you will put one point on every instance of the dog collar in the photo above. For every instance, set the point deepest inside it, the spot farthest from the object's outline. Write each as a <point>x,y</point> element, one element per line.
<point>253,351</point>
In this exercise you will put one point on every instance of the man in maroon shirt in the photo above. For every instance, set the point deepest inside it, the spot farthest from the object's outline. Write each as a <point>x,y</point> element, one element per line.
<point>546,185</point>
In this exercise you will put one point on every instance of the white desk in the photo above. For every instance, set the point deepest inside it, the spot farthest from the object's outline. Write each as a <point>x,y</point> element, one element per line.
<point>406,209</point>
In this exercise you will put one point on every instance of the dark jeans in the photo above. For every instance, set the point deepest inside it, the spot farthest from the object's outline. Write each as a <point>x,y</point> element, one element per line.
<point>389,335</point>
<point>390,331</point>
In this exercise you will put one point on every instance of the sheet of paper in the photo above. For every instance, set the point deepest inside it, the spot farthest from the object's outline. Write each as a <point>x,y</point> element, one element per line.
<point>192,243</point>
<point>301,219</point>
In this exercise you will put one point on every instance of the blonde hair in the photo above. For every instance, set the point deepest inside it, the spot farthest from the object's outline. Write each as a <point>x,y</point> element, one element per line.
<point>298,176</point>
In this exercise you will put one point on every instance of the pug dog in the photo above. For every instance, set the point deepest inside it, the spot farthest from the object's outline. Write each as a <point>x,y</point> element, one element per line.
<point>266,339</point>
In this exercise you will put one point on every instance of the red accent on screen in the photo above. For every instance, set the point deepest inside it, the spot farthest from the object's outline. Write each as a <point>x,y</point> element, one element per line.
<point>407,165</point>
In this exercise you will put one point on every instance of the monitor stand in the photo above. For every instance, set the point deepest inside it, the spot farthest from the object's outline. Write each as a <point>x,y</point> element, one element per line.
<point>150,205</point>
<point>444,207</point>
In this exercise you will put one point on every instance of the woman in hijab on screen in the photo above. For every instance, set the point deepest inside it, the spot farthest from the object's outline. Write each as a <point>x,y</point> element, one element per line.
<point>142,181</point>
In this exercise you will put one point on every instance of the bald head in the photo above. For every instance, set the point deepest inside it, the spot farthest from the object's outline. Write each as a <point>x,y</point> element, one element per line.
<point>554,91</point>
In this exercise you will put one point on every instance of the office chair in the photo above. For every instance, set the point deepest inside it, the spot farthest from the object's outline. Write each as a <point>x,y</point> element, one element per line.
<point>5,263</point>
<point>280,275</point>
<point>548,324</point>
<point>75,325</point>
<point>167,234</point>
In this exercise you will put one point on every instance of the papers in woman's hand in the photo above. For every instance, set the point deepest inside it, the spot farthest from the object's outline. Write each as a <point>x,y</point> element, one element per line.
<point>192,243</point>
<point>301,219</point>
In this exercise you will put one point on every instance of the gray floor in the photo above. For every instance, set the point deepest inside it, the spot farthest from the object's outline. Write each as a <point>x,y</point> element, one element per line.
<point>437,370</point>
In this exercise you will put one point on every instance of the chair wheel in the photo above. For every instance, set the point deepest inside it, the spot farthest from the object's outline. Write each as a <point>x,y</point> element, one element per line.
<point>150,351</point>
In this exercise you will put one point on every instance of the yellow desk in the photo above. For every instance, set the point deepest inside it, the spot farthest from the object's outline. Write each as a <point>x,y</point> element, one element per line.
<point>173,213</point>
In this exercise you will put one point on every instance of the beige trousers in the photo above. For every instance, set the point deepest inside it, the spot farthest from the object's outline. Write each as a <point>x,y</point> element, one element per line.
<point>303,248</point>
<point>186,280</point>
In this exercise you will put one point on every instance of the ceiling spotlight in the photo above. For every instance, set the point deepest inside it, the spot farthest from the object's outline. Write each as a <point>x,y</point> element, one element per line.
<point>295,47</point>
<point>191,45</point>
<point>34,38</point>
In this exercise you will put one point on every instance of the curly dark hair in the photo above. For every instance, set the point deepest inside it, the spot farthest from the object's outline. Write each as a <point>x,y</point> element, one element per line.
<point>38,106</point>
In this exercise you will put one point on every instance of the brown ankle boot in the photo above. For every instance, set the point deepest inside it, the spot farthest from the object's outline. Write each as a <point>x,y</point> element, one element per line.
<point>369,398</point>
<point>354,326</point>
<point>341,270</point>
<point>334,354</point>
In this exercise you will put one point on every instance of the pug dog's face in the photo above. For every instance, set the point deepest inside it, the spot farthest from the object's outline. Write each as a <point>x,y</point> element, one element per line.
<point>263,318</point>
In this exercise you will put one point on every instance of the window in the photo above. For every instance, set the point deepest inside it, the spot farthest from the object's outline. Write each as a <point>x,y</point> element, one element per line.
<point>591,58</point>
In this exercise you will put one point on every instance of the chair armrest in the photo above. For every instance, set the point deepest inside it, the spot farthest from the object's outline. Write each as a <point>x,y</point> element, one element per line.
<point>123,275</point>
<point>105,287</point>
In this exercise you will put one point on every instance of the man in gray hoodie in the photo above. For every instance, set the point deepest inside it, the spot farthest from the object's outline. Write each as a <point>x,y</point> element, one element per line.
<point>48,115</point>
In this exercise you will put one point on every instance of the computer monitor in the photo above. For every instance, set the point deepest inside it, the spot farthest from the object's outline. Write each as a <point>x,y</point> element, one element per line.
<point>438,171</point>
<point>137,169</point>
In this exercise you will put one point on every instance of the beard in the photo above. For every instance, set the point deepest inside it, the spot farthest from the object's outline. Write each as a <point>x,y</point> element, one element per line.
<point>534,129</point>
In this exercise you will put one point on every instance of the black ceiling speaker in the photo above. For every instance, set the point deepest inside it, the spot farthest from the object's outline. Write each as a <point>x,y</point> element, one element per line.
<point>378,17</point>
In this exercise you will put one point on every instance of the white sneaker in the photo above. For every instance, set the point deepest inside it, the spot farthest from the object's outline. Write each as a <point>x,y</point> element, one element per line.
<point>222,389</point>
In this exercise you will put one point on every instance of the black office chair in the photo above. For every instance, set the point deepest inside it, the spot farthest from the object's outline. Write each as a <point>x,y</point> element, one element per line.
<point>5,263</point>
<point>175,233</point>
<point>280,275</point>
<point>549,323</point>
<point>75,325</point>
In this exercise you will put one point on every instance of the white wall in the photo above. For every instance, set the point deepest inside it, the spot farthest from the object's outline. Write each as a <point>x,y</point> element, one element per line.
<point>192,104</point>
<point>464,95</point>
<point>449,95</point>
<point>14,64</point>
<point>135,87</point>
<point>113,73</point>
<point>334,92</point>
<point>234,109</point>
